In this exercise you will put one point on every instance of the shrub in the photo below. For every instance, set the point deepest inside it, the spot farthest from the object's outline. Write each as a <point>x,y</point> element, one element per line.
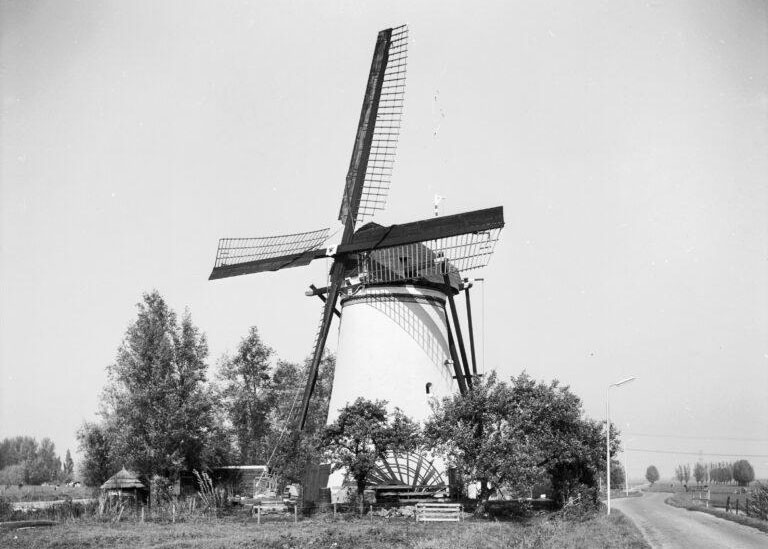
<point>743,473</point>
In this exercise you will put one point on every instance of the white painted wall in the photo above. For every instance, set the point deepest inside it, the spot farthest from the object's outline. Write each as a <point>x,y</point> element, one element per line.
<point>390,347</point>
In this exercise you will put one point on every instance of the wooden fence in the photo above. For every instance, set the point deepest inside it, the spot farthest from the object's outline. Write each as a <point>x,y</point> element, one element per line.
<point>438,512</point>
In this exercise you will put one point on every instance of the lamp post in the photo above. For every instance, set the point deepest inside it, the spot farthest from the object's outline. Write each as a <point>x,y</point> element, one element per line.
<point>608,436</point>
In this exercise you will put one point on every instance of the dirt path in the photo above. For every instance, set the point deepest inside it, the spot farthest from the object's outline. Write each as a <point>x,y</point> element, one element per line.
<point>665,526</point>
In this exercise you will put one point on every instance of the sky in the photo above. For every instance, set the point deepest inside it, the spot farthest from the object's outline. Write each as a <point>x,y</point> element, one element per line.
<point>627,142</point>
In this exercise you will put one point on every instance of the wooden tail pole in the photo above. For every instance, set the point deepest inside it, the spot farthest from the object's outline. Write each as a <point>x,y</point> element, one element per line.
<point>454,358</point>
<point>459,338</point>
<point>471,331</point>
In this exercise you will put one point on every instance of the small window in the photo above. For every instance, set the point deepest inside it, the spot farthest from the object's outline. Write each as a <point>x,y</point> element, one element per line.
<point>429,387</point>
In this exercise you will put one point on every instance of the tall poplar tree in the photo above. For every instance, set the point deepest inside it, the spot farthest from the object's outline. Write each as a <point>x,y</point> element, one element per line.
<point>157,411</point>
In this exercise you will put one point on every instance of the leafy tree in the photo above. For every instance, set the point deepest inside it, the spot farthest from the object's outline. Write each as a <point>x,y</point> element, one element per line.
<point>68,467</point>
<point>680,474</point>
<point>362,433</point>
<point>501,434</point>
<point>743,473</point>
<point>699,472</point>
<point>45,466</point>
<point>652,474</point>
<point>157,412</point>
<point>617,475</point>
<point>246,397</point>
<point>97,464</point>
<point>13,474</point>
<point>18,450</point>
<point>38,462</point>
<point>293,449</point>
<point>686,473</point>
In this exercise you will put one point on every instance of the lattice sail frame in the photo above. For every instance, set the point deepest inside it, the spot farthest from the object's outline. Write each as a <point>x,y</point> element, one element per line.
<point>428,259</point>
<point>416,470</point>
<point>386,132</point>
<point>235,251</point>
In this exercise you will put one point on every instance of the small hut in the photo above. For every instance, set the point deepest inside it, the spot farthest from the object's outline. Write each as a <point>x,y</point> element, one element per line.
<point>125,483</point>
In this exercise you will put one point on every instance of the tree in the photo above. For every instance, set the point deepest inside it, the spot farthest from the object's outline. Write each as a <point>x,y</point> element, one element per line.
<point>362,433</point>
<point>68,468</point>
<point>18,450</point>
<point>98,463</point>
<point>699,472</point>
<point>293,449</point>
<point>157,412</point>
<point>37,463</point>
<point>652,474</point>
<point>686,473</point>
<point>45,466</point>
<point>13,474</point>
<point>617,475</point>
<point>743,473</point>
<point>501,434</point>
<point>246,398</point>
<point>680,474</point>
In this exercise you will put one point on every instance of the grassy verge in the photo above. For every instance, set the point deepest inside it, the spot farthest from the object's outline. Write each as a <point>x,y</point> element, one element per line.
<point>621,494</point>
<point>544,531</point>
<point>683,501</point>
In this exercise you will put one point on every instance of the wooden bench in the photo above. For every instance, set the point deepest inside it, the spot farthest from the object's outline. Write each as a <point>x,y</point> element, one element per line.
<point>438,512</point>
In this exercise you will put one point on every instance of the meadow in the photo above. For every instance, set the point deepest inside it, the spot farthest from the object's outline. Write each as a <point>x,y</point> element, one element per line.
<point>45,493</point>
<point>543,531</point>
<point>718,493</point>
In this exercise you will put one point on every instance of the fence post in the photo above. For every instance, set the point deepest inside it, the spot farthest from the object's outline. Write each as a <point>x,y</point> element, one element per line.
<point>173,513</point>
<point>370,511</point>
<point>142,513</point>
<point>296,514</point>
<point>334,510</point>
<point>258,514</point>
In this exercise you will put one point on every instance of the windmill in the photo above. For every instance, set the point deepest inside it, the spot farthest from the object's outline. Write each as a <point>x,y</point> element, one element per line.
<point>393,283</point>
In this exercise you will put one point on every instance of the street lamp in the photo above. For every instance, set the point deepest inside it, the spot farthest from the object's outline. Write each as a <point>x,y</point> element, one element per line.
<point>608,436</point>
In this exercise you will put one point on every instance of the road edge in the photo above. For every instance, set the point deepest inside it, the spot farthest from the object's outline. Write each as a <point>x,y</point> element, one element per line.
<point>738,519</point>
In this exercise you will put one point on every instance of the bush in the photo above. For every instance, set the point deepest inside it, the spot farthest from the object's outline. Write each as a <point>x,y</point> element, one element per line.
<point>743,473</point>
<point>652,474</point>
<point>757,503</point>
<point>13,474</point>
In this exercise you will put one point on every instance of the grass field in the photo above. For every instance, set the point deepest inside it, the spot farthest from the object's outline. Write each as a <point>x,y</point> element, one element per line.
<point>45,493</point>
<point>719,493</point>
<point>545,532</point>
<point>683,500</point>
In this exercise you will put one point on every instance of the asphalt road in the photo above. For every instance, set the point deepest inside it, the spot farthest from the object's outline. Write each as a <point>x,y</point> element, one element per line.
<point>665,526</point>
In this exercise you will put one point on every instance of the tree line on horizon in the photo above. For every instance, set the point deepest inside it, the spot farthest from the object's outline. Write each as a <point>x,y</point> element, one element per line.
<point>24,460</point>
<point>740,471</point>
<point>164,411</point>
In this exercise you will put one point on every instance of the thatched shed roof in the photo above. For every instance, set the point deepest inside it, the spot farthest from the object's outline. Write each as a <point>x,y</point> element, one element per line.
<point>124,480</point>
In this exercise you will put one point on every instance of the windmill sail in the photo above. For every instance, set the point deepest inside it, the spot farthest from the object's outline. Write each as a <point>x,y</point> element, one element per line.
<point>373,155</point>
<point>429,260</point>
<point>238,256</point>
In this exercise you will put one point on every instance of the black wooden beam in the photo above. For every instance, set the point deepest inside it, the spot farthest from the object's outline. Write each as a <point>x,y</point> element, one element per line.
<point>459,338</point>
<point>471,330</point>
<point>319,293</point>
<point>427,229</point>
<point>454,357</point>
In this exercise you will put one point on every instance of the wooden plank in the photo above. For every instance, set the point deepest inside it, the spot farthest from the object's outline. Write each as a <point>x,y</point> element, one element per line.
<point>426,229</point>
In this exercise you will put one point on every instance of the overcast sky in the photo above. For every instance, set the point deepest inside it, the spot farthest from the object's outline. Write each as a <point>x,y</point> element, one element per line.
<point>627,142</point>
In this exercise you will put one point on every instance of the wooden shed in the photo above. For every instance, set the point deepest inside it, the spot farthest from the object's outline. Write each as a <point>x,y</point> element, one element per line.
<point>128,484</point>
